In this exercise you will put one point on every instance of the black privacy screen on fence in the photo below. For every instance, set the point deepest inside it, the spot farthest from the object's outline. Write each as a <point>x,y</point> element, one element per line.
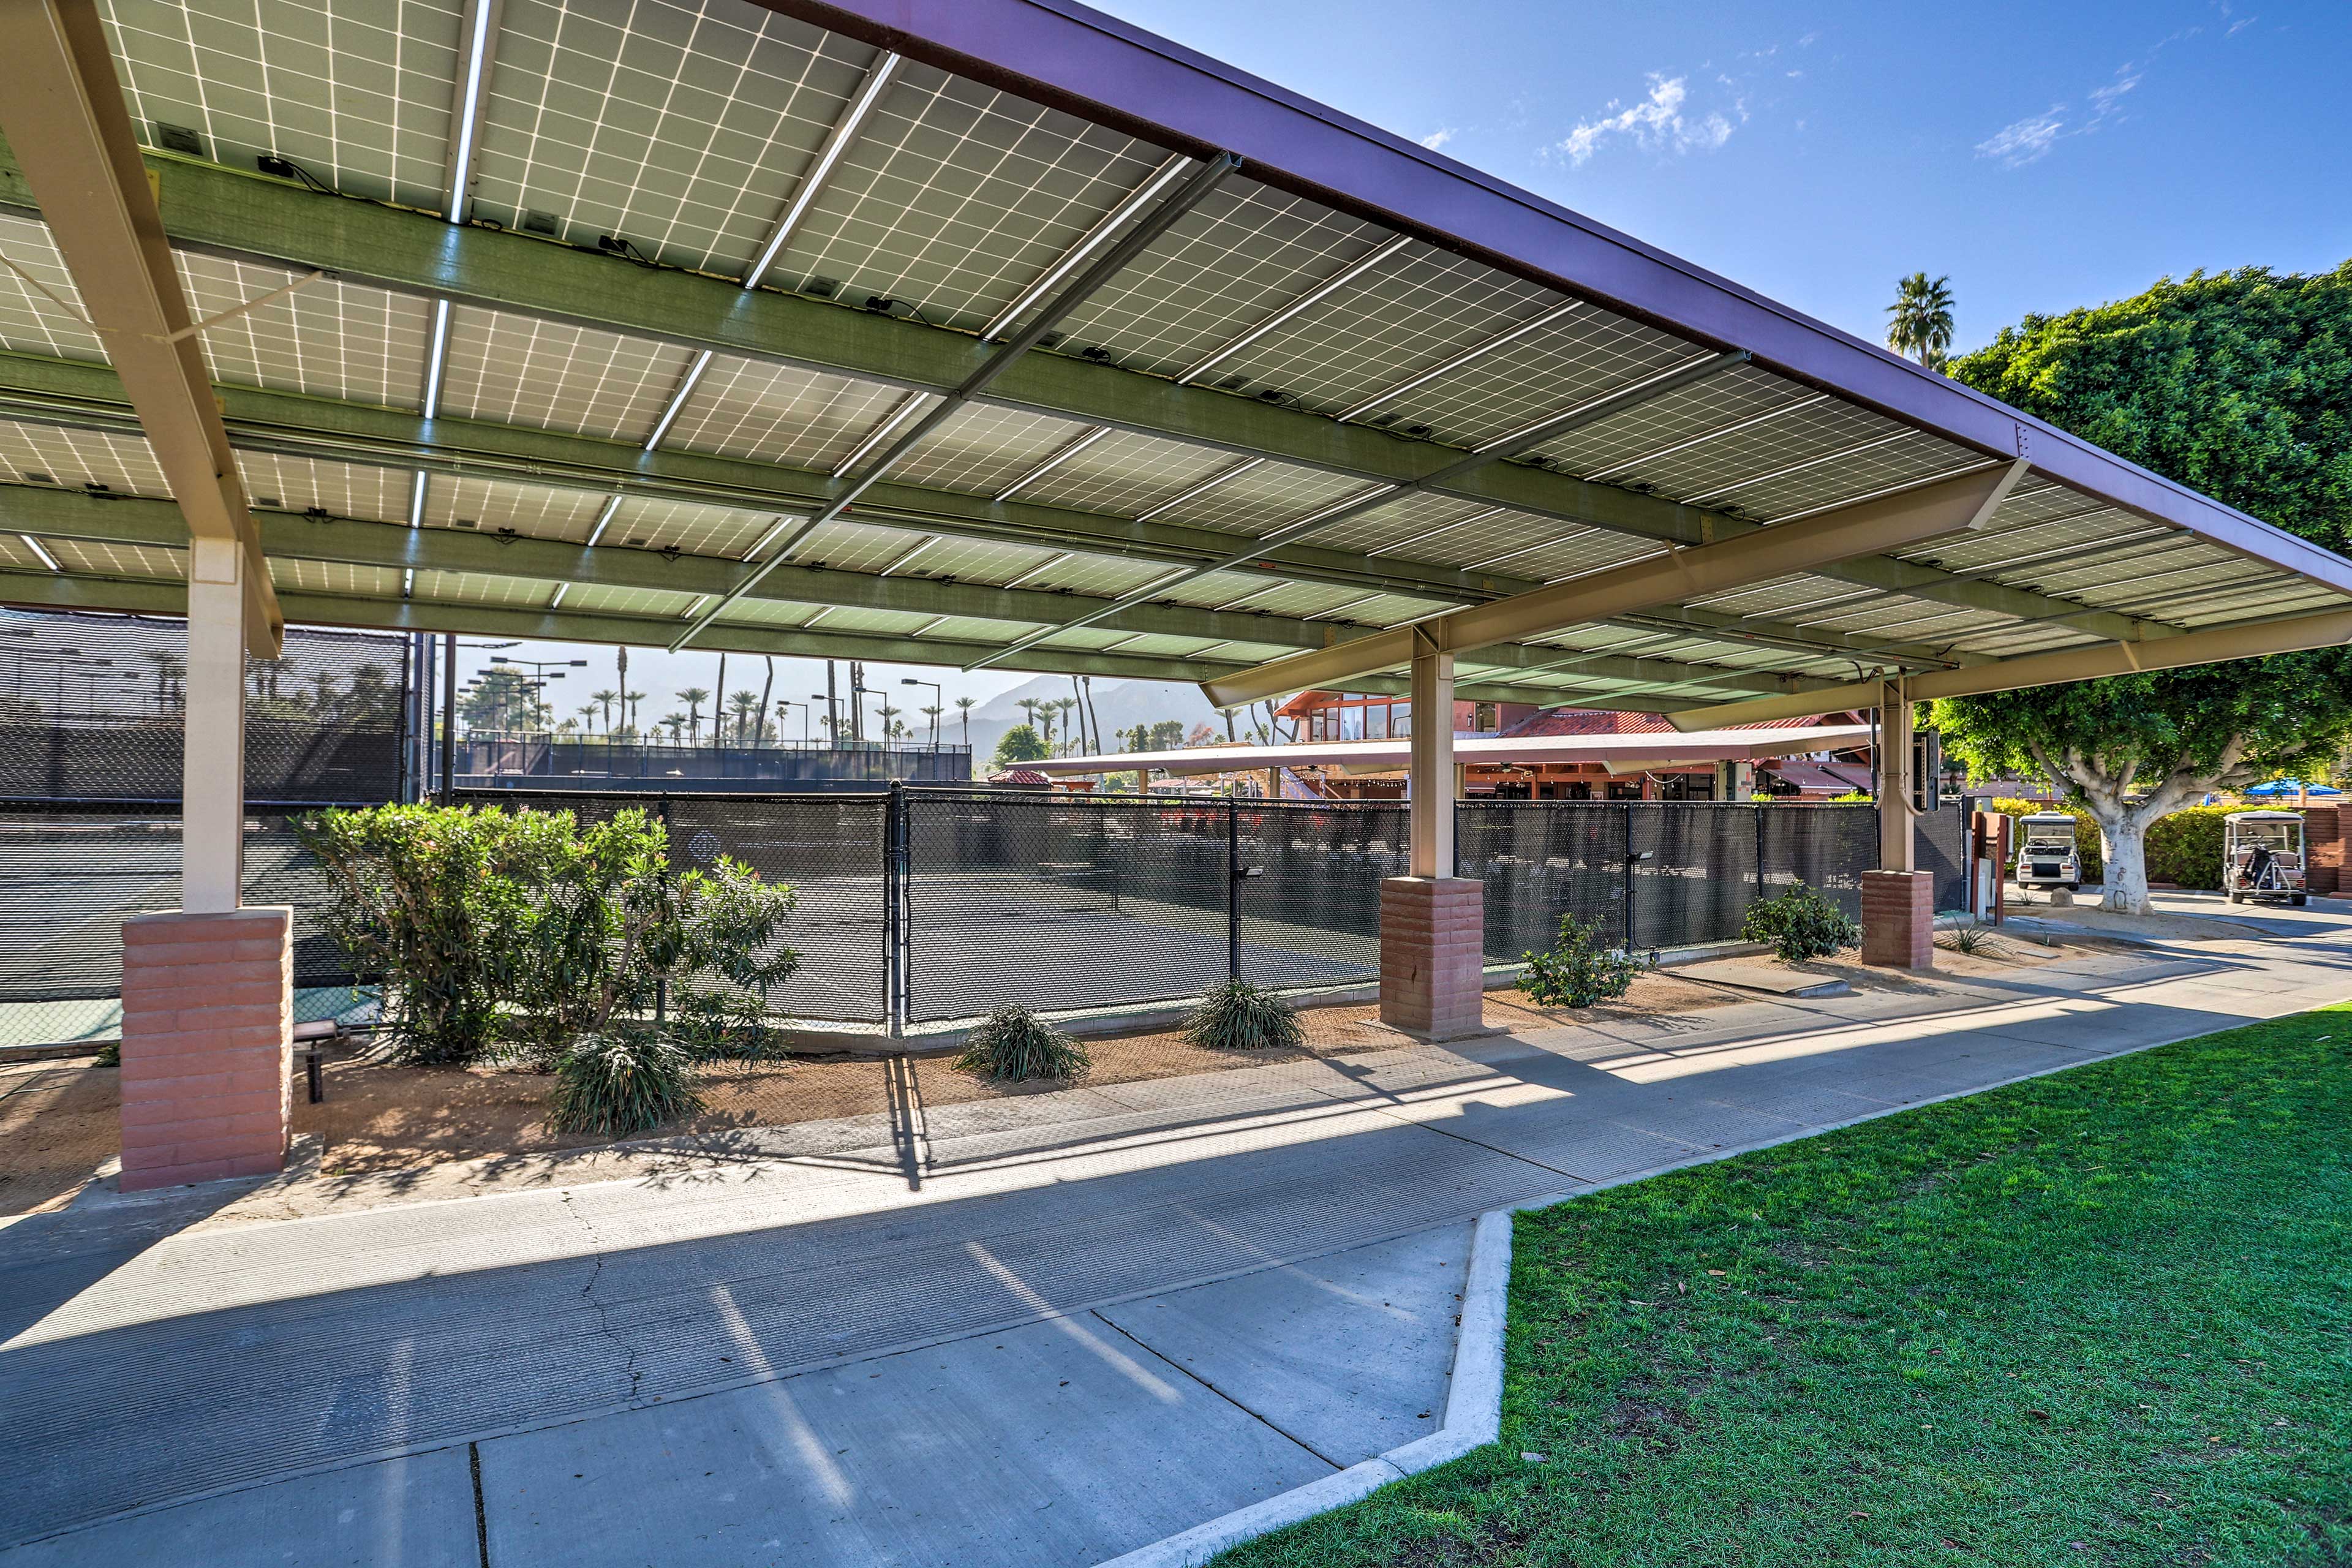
<point>924,904</point>
<point>90,710</point>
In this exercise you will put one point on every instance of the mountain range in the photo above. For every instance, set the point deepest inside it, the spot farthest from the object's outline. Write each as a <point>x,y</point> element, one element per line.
<point>1119,704</point>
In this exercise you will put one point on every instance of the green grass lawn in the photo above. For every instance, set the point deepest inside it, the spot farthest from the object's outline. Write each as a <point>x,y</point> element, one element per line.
<point>2103,1317</point>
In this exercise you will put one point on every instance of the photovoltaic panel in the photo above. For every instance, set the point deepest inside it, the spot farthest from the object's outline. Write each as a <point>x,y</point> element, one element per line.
<point>1551,371</point>
<point>1242,254</point>
<point>1629,447</point>
<point>291,576</point>
<point>277,483</point>
<point>1913,458</point>
<point>82,557</point>
<point>30,322</point>
<point>982,450</point>
<point>488,506</point>
<point>77,459</point>
<point>796,418</point>
<point>326,339</point>
<point>357,91</point>
<point>955,198</point>
<point>685,130</point>
<point>1126,474</point>
<point>520,370</point>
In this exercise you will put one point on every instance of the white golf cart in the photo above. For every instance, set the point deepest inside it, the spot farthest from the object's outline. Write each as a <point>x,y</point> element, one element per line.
<point>2262,856</point>
<point>2046,855</point>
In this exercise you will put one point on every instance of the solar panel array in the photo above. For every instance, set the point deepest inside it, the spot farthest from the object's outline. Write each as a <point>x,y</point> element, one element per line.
<point>705,137</point>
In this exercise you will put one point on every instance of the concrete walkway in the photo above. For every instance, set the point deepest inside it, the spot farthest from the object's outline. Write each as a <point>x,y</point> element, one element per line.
<point>1084,1321</point>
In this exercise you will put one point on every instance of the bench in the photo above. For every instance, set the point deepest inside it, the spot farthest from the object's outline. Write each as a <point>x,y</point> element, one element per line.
<point>312,1040</point>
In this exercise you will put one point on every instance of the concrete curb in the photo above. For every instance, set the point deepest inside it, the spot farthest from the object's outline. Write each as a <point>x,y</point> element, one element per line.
<point>1474,1418</point>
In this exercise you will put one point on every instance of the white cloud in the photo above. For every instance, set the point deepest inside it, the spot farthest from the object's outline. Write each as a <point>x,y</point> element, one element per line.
<point>1437,139</point>
<point>1657,122</point>
<point>2024,141</point>
<point>2105,101</point>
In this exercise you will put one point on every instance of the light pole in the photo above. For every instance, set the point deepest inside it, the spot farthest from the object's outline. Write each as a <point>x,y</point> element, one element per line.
<point>939,702</point>
<point>786,704</point>
<point>832,715</point>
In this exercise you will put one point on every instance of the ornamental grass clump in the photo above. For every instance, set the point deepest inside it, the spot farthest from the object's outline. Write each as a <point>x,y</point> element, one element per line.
<point>1577,971</point>
<point>1239,1016</point>
<point>1800,924</point>
<point>1013,1045</point>
<point>624,1081</point>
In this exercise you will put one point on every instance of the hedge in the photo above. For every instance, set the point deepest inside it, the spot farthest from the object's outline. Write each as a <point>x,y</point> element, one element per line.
<point>2184,849</point>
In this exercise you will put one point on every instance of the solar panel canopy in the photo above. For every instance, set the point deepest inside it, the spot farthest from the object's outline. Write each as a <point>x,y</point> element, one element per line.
<point>996,333</point>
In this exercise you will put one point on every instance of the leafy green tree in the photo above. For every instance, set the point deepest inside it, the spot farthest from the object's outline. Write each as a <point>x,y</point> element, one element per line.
<point>1920,321</point>
<point>2239,384</point>
<point>1020,744</point>
<point>1167,735</point>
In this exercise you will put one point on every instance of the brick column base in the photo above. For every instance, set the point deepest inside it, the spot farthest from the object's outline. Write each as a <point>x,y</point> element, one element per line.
<point>207,1021</point>
<point>1898,918</point>
<point>1432,947</point>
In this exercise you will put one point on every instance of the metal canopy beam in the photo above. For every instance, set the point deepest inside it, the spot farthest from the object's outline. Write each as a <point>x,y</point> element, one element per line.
<point>77,395</point>
<point>223,212</point>
<point>1589,413</point>
<point>61,108</point>
<point>1893,523</point>
<point>2207,645</point>
<point>286,536</point>
<point>156,597</point>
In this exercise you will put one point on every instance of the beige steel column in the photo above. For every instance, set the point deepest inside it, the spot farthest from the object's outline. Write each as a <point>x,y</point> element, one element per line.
<point>1432,782</point>
<point>212,824</point>
<point>1894,778</point>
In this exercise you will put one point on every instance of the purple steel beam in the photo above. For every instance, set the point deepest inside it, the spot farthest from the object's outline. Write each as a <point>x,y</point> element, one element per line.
<point>1070,58</point>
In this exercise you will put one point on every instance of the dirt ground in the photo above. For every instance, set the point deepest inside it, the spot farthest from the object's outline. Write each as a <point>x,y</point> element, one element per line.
<point>383,1128</point>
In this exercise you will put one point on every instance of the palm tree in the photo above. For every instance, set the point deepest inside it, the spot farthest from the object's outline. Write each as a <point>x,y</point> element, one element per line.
<point>674,722</point>
<point>932,714</point>
<point>604,699</point>
<point>694,697</point>
<point>744,704</point>
<point>1921,324</point>
<point>768,690</point>
<point>1063,707</point>
<point>963,711</point>
<point>588,717</point>
<point>629,700</point>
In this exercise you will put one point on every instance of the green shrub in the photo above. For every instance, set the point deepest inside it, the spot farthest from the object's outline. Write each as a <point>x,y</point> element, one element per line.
<point>1577,971</point>
<point>440,900</point>
<point>526,930</point>
<point>1239,1016</point>
<point>1800,924</point>
<point>2185,847</point>
<point>1013,1045</point>
<point>624,1081</point>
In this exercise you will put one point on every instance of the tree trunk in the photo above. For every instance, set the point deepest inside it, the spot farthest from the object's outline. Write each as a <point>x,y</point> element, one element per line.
<point>2125,845</point>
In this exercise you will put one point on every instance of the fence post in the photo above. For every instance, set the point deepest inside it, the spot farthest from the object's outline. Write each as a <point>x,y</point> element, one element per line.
<point>1232,888</point>
<point>1632,930</point>
<point>894,885</point>
<point>661,985</point>
<point>1759,809</point>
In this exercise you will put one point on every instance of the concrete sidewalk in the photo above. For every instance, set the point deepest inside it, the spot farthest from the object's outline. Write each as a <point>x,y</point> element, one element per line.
<point>1097,1318</point>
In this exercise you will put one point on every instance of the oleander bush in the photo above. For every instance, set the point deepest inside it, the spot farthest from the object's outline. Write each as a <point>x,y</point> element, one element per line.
<point>1239,1016</point>
<point>1801,923</point>
<point>519,935</point>
<point>1576,971</point>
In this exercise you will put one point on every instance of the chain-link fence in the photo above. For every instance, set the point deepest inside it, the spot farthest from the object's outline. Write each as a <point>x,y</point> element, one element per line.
<point>926,904</point>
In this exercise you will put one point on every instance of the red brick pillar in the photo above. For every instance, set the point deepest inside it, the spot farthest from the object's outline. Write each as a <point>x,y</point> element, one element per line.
<point>207,1018</point>
<point>1432,956</point>
<point>2323,828</point>
<point>1898,918</point>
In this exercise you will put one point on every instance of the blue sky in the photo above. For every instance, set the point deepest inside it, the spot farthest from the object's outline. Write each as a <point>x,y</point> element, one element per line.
<point>2045,156</point>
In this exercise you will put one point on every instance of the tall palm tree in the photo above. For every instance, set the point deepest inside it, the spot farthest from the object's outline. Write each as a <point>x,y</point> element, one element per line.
<point>694,697</point>
<point>743,704</point>
<point>767,689</point>
<point>604,699</point>
<point>588,717</point>
<point>674,722</point>
<point>1920,319</point>
<point>1063,706</point>
<point>932,714</point>
<point>963,711</point>
<point>629,700</point>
